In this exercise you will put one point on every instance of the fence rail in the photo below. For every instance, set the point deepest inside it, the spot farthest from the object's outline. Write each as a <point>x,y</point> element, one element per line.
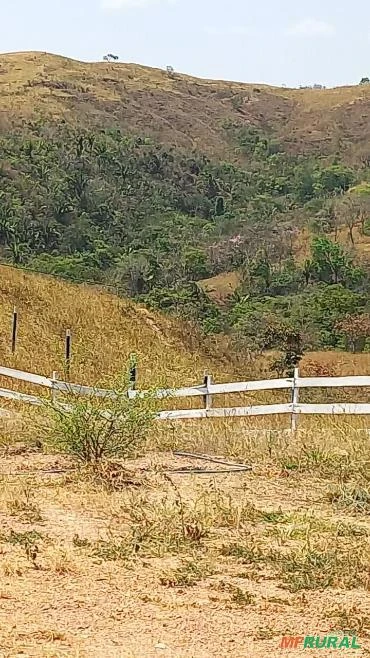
<point>207,390</point>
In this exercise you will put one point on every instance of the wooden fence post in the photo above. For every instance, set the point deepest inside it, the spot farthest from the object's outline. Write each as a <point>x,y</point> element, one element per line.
<point>133,372</point>
<point>14,329</point>
<point>207,399</point>
<point>54,378</point>
<point>295,400</point>
<point>68,351</point>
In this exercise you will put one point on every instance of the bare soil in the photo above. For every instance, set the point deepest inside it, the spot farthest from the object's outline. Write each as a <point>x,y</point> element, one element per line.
<point>68,601</point>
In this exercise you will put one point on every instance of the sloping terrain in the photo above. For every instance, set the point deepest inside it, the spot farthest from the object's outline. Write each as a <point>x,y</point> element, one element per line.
<point>181,110</point>
<point>130,559</point>
<point>105,331</point>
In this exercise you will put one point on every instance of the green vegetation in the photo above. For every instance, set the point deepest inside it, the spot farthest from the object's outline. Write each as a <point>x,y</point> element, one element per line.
<point>151,221</point>
<point>95,428</point>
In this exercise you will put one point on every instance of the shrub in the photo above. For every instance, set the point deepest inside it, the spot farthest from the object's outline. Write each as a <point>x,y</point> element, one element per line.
<point>92,428</point>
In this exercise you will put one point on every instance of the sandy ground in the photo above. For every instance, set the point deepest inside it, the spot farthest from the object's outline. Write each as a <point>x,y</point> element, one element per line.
<point>69,602</point>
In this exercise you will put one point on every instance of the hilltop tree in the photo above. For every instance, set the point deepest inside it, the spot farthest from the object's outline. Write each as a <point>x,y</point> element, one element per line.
<point>111,58</point>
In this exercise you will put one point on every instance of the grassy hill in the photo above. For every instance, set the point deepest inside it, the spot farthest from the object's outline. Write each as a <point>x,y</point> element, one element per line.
<point>105,331</point>
<point>181,111</point>
<point>144,555</point>
<point>152,183</point>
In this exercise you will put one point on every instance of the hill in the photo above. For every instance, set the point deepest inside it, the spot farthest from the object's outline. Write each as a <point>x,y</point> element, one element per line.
<point>239,182</point>
<point>181,110</point>
<point>151,555</point>
<point>105,331</point>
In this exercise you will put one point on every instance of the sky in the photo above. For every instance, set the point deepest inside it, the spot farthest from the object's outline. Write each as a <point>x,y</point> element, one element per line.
<point>280,42</point>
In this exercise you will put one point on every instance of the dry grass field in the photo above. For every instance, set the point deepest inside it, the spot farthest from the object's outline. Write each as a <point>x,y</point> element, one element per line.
<point>133,560</point>
<point>182,111</point>
<point>181,565</point>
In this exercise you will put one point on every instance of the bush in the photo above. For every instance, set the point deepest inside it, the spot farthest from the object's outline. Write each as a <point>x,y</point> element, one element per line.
<point>93,428</point>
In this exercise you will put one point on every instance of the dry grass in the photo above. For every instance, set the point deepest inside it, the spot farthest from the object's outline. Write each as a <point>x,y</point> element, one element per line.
<point>185,111</point>
<point>156,563</point>
<point>220,287</point>
<point>105,330</point>
<point>173,564</point>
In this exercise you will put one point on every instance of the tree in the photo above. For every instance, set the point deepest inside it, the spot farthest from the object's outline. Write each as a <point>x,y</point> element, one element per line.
<point>356,330</point>
<point>110,58</point>
<point>360,196</point>
<point>335,178</point>
<point>330,263</point>
<point>349,211</point>
<point>328,305</point>
<point>365,81</point>
<point>220,206</point>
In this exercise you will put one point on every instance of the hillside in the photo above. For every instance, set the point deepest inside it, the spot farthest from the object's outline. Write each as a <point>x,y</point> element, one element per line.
<point>230,225</point>
<point>182,111</point>
<point>229,178</point>
<point>105,331</point>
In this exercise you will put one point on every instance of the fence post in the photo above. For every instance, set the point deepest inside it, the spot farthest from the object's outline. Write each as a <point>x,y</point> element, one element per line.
<point>295,400</point>
<point>133,372</point>
<point>14,329</point>
<point>207,399</point>
<point>54,391</point>
<point>68,349</point>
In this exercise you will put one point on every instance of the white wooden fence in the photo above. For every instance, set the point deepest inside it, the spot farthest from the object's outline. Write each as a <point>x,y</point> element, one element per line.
<point>207,390</point>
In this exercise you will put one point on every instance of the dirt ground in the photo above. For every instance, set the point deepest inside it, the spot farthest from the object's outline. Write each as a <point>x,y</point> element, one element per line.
<point>178,565</point>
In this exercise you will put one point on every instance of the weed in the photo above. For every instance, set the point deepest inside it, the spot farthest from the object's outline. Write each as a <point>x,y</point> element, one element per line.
<point>276,516</point>
<point>314,459</point>
<point>247,553</point>
<point>289,464</point>
<point>25,507</point>
<point>349,619</point>
<point>241,597</point>
<point>28,541</point>
<point>108,425</point>
<point>351,530</point>
<point>187,575</point>
<point>263,633</point>
<point>354,498</point>
<point>298,526</point>
<point>335,565</point>
<point>79,542</point>
<point>22,538</point>
<point>223,511</point>
<point>278,600</point>
<point>113,550</point>
<point>61,562</point>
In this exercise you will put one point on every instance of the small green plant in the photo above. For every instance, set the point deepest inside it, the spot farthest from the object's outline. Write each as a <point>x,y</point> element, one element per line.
<point>79,542</point>
<point>350,619</point>
<point>351,530</point>
<point>247,553</point>
<point>28,540</point>
<point>101,426</point>
<point>237,594</point>
<point>114,549</point>
<point>338,564</point>
<point>187,575</point>
<point>263,633</point>
<point>241,597</point>
<point>274,516</point>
